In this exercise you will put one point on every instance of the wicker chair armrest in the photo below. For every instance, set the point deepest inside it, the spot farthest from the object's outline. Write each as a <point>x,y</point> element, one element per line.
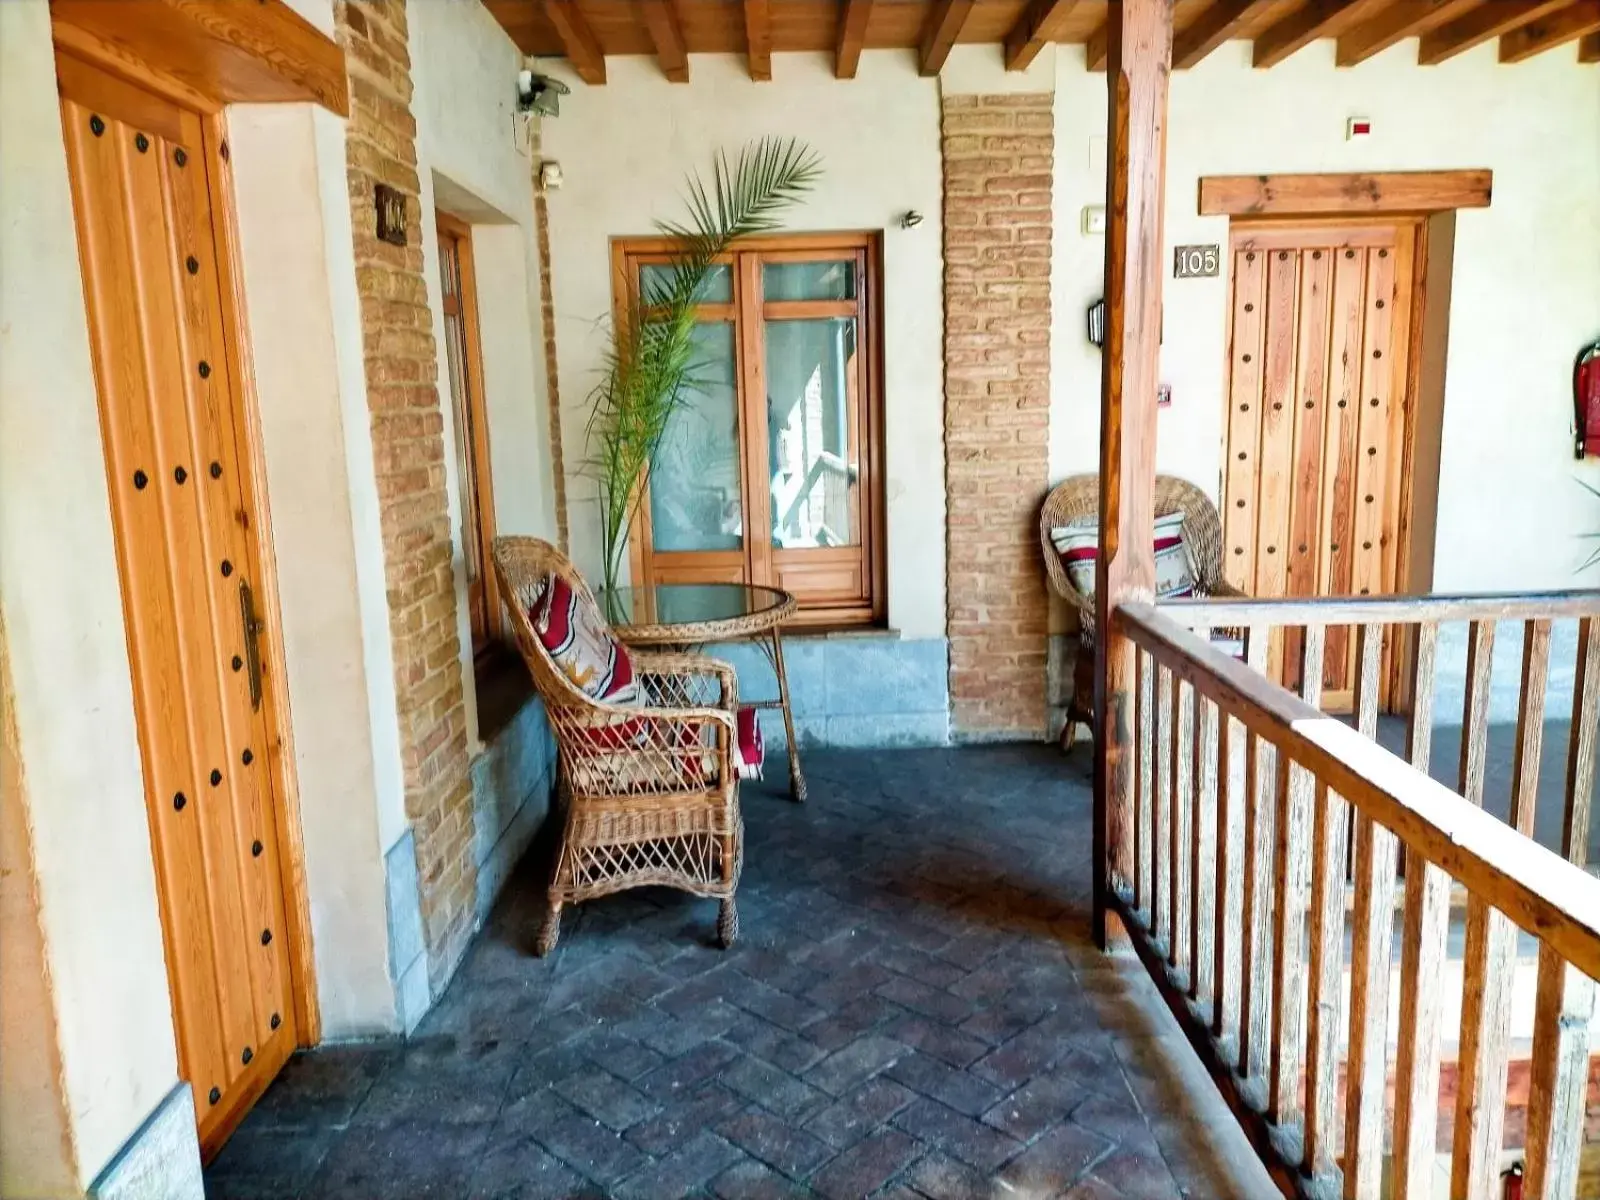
<point>608,737</point>
<point>670,679</point>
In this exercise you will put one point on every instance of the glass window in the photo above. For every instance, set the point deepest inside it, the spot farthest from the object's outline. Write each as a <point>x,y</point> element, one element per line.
<point>811,367</point>
<point>809,280</point>
<point>695,501</point>
<point>717,287</point>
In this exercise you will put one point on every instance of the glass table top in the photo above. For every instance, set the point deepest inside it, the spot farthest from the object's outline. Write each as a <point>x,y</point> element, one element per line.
<point>691,603</point>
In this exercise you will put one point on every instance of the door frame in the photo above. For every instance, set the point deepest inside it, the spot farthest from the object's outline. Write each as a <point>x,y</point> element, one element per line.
<point>1430,199</point>
<point>283,780</point>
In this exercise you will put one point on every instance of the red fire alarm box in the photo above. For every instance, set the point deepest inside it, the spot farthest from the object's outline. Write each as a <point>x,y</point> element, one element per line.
<point>1586,400</point>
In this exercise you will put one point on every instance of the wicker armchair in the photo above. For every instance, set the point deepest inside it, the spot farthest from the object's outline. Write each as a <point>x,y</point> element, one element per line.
<point>652,793</point>
<point>1077,498</point>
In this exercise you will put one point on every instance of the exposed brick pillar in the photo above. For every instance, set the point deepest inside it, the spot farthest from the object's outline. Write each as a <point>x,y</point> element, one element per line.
<point>997,175</point>
<point>547,315</point>
<point>402,368</point>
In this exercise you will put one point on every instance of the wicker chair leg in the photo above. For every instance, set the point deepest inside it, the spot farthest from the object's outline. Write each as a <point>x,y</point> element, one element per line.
<point>1069,734</point>
<point>727,923</point>
<point>550,931</point>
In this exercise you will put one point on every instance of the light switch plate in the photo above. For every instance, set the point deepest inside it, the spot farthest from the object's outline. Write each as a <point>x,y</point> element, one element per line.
<point>1094,218</point>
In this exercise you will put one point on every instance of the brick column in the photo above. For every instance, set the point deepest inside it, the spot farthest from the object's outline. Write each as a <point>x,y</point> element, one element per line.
<point>997,210</point>
<point>402,368</point>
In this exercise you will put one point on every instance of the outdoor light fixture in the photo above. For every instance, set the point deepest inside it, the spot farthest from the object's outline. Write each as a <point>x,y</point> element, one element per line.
<point>911,219</point>
<point>1097,322</point>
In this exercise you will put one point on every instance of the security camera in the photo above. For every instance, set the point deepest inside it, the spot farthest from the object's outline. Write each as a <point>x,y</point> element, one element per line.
<point>539,94</point>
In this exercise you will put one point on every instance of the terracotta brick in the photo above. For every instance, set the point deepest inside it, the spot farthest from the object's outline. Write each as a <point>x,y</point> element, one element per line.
<point>997,222</point>
<point>407,423</point>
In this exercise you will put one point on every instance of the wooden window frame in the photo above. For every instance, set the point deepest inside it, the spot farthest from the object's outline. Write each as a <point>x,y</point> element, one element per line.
<point>757,561</point>
<point>483,611</point>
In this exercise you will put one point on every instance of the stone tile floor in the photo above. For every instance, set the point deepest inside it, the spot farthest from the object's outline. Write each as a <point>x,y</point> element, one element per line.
<point>914,1009</point>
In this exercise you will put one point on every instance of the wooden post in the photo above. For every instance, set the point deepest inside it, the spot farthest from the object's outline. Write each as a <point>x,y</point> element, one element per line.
<point>1140,51</point>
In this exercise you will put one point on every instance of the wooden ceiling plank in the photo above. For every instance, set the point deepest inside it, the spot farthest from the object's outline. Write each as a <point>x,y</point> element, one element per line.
<point>666,31</point>
<point>1395,24</point>
<point>852,36</point>
<point>1574,21</point>
<point>584,51</point>
<point>758,38</point>
<point>943,27</point>
<point>1487,21</point>
<point>1039,25</point>
<point>1589,48</point>
<point>1211,28</point>
<point>1321,18</point>
<point>1377,192</point>
<point>1097,48</point>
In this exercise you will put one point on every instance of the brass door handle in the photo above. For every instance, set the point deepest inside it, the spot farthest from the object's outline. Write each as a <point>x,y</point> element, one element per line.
<point>252,643</point>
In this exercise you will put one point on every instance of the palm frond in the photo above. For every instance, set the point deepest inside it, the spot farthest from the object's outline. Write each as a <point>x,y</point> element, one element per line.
<point>652,364</point>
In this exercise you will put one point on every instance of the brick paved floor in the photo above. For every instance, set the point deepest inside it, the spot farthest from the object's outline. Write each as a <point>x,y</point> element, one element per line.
<point>914,1010</point>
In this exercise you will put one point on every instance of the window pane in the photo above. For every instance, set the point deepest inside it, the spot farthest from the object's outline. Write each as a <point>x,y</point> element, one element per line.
<point>811,405</point>
<point>694,485</point>
<point>656,278</point>
<point>809,280</point>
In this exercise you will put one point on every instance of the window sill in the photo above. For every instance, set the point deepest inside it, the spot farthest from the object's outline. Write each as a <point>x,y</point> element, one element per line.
<point>503,688</point>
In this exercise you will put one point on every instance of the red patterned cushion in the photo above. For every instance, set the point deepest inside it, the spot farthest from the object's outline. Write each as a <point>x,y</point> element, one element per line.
<point>582,644</point>
<point>749,748</point>
<point>1078,544</point>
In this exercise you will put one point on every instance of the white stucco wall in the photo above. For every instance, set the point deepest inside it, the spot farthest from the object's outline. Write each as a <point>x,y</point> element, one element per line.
<point>626,149</point>
<point>1526,288</point>
<point>473,163</point>
<point>76,754</point>
<point>304,325</point>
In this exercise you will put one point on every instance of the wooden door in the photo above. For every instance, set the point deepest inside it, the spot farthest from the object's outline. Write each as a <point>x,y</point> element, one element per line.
<point>170,418</point>
<point>1316,430</point>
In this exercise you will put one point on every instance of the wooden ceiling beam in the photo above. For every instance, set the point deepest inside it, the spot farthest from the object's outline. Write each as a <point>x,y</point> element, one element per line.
<point>583,49</point>
<point>1097,48</point>
<point>1321,18</point>
<point>1483,23</point>
<point>852,36</point>
<point>1040,24</point>
<point>945,20</point>
<point>1589,48</point>
<point>758,38</point>
<point>1395,24</point>
<point>1574,21</point>
<point>666,32</point>
<point>1211,28</point>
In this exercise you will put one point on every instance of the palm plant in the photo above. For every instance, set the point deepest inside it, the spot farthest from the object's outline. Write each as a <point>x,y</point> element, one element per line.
<point>651,365</point>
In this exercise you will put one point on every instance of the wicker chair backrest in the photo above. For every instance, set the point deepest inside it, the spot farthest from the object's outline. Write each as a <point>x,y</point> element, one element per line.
<point>523,566</point>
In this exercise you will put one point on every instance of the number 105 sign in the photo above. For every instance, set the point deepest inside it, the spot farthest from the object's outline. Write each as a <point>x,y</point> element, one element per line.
<point>1195,262</point>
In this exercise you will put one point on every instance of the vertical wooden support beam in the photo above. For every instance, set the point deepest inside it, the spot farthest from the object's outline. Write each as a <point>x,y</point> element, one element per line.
<point>666,34</point>
<point>758,38</point>
<point>584,52</point>
<point>852,36</point>
<point>1140,51</point>
<point>943,27</point>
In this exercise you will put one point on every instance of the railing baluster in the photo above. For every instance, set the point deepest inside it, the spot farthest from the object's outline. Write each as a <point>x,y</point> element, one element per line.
<point>1327,971</point>
<point>1292,887</point>
<point>1255,955</point>
<point>1144,733</point>
<point>1371,951</point>
<point>1161,817</point>
<point>1230,925</point>
<point>1202,926</point>
<point>1422,958</point>
<point>1182,820</point>
<point>1557,1089</point>
<point>1492,939</point>
<point>1475,718</point>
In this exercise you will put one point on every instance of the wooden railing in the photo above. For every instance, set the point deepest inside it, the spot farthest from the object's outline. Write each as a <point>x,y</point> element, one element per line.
<point>1227,851</point>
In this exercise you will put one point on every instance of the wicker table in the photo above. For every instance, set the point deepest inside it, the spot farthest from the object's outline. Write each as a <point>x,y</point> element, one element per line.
<point>698,614</point>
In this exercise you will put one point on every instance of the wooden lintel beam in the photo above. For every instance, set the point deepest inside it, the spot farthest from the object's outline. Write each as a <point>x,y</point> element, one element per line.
<point>1589,48</point>
<point>945,20</point>
<point>1574,21</point>
<point>1395,24</point>
<point>852,36</point>
<point>1039,25</point>
<point>758,38</point>
<point>1211,28</point>
<point>1374,192</point>
<point>666,33</point>
<point>1321,18</point>
<point>1139,64</point>
<point>1482,24</point>
<point>1095,50</point>
<point>584,52</point>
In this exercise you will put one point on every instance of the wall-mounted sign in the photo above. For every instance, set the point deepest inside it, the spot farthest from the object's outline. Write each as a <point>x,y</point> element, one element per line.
<point>391,207</point>
<point>1196,262</point>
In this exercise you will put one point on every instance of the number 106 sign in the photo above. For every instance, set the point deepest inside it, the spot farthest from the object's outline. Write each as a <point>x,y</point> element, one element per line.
<point>1195,262</point>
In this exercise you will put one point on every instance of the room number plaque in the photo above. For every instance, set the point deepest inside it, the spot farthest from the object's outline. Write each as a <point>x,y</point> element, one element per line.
<point>1196,262</point>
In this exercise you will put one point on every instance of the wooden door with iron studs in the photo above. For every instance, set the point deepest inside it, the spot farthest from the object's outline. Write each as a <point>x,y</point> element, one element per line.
<point>1316,429</point>
<point>144,195</point>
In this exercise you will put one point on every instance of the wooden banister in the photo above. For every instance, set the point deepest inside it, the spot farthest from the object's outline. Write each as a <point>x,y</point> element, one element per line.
<point>1536,888</point>
<point>1384,610</point>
